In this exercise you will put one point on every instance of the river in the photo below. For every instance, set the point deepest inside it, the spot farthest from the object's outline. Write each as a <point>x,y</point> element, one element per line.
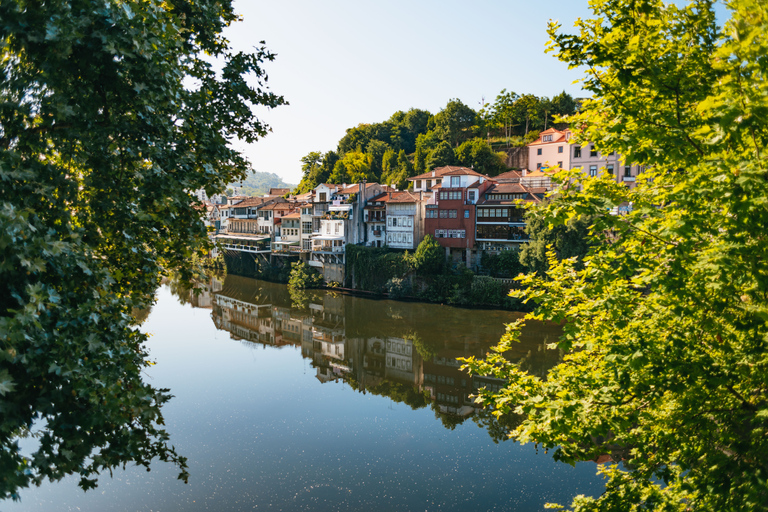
<point>331,403</point>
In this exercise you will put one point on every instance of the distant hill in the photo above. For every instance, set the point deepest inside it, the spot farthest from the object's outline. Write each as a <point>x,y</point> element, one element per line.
<point>259,183</point>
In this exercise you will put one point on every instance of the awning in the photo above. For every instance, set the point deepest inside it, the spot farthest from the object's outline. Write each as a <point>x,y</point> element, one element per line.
<point>328,237</point>
<point>244,237</point>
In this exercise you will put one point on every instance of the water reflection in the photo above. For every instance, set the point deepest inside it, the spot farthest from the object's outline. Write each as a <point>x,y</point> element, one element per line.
<point>405,351</point>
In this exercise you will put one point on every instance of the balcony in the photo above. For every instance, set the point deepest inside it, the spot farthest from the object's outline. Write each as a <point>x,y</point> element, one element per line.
<point>327,248</point>
<point>628,178</point>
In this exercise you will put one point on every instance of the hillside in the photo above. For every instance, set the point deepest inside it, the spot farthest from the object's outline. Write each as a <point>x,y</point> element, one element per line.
<point>259,183</point>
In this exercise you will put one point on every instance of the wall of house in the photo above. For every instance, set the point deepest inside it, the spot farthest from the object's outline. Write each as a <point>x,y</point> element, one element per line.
<point>552,154</point>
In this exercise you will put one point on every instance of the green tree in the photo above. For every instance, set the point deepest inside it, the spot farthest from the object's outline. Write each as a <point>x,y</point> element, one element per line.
<point>478,154</point>
<point>665,324</point>
<point>454,123</point>
<point>415,123</point>
<point>441,156</point>
<point>111,112</point>
<point>355,139</point>
<point>425,143</point>
<point>388,165</point>
<point>570,239</point>
<point>376,150</point>
<point>527,111</point>
<point>503,112</point>
<point>429,257</point>
<point>562,105</point>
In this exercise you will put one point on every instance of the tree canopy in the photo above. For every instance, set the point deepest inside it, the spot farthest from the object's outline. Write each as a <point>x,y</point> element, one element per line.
<point>110,114</point>
<point>665,323</point>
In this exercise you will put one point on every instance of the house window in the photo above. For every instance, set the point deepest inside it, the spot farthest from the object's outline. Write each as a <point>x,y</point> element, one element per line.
<point>418,183</point>
<point>559,149</point>
<point>576,151</point>
<point>538,165</point>
<point>560,164</point>
<point>627,170</point>
<point>452,214</point>
<point>593,170</point>
<point>546,138</point>
<point>471,195</point>
<point>609,168</point>
<point>455,181</point>
<point>538,151</point>
<point>466,214</point>
<point>592,150</point>
<point>443,214</point>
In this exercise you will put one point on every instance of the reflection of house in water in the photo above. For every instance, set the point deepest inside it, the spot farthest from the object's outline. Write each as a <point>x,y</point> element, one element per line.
<point>400,363</point>
<point>243,320</point>
<point>448,386</point>
<point>328,339</point>
<point>375,358</point>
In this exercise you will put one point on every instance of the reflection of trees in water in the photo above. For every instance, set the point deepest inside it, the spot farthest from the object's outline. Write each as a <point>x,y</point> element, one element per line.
<point>405,351</point>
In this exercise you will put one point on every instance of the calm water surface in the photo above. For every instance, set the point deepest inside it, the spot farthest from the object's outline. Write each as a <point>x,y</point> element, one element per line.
<point>335,403</point>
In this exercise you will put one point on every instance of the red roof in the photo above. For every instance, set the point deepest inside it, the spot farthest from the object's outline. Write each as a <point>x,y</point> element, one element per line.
<point>558,137</point>
<point>439,172</point>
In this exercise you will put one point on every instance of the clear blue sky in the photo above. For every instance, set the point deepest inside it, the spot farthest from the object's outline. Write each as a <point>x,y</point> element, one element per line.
<point>345,62</point>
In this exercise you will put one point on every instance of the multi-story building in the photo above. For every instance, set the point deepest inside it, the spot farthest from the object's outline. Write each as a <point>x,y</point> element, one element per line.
<point>551,149</point>
<point>306,226</point>
<point>427,181</point>
<point>287,234</point>
<point>500,222</point>
<point>270,214</point>
<point>595,163</point>
<point>450,213</point>
<point>375,219</point>
<point>404,219</point>
<point>554,149</point>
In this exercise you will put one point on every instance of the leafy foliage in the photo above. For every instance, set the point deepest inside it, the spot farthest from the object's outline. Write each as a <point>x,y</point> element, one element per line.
<point>101,137</point>
<point>429,257</point>
<point>478,155</point>
<point>303,276</point>
<point>665,323</point>
<point>570,239</point>
<point>504,264</point>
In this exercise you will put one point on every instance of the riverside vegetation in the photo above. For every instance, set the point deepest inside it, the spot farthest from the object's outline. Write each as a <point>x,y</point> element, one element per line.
<point>107,121</point>
<point>666,321</point>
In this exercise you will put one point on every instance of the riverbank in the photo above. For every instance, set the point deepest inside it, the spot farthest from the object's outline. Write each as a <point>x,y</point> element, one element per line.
<point>397,275</point>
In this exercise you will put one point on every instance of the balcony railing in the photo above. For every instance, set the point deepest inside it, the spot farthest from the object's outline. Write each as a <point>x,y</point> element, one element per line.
<point>327,248</point>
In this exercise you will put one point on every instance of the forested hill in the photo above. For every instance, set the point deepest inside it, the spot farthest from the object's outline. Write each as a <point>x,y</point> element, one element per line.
<point>413,142</point>
<point>259,183</point>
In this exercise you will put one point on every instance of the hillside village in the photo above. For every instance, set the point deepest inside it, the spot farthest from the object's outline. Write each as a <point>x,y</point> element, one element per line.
<point>468,213</point>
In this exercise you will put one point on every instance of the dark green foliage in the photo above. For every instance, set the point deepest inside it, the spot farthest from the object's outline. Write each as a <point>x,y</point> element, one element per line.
<point>441,156</point>
<point>504,264</point>
<point>454,123</point>
<point>429,257</point>
<point>371,268</point>
<point>478,155</point>
<point>569,240</point>
<point>109,114</point>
